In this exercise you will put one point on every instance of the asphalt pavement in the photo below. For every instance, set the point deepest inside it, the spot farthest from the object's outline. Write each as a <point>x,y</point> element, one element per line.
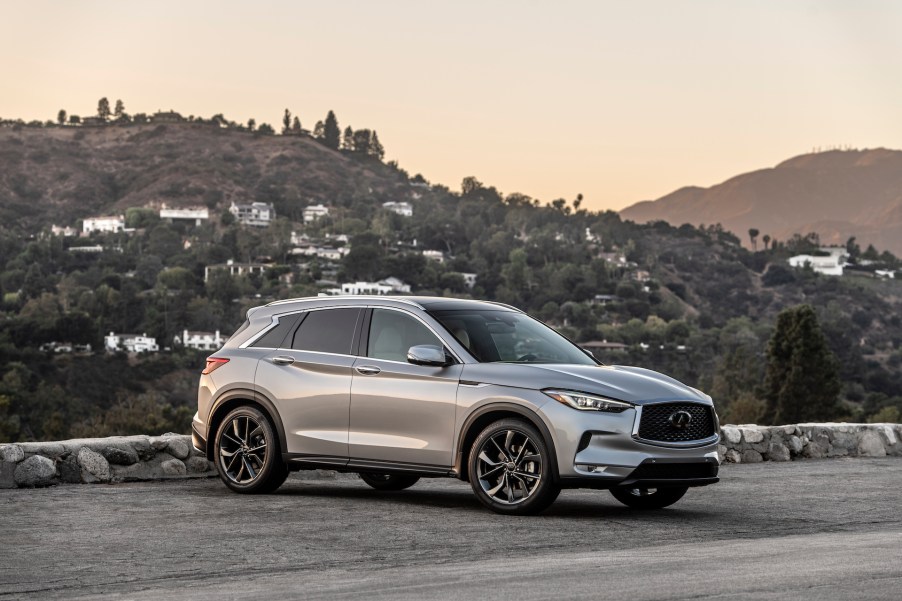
<point>828,529</point>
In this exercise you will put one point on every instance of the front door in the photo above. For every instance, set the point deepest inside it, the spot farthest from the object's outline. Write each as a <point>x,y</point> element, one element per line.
<point>401,412</point>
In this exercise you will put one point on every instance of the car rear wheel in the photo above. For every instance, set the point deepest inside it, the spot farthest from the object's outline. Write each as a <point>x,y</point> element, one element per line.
<point>510,469</point>
<point>389,482</point>
<point>247,452</point>
<point>649,498</point>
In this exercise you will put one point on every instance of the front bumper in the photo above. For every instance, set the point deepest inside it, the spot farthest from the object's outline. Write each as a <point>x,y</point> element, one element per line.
<point>600,450</point>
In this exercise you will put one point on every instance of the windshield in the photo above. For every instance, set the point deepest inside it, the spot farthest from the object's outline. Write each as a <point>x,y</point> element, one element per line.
<point>505,336</point>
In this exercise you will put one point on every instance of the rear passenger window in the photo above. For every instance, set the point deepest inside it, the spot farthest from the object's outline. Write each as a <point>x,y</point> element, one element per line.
<point>327,331</point>
<point>275,337</point>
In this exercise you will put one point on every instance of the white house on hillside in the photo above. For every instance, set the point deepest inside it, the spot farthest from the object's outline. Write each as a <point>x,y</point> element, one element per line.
<point>314,212</point>
<point>434,255</point>
<point>130,343</point>
<point>234,268</point>
<point>196,214</point>
<point>256,214</point>
<point>382,288</point>
<point>107,224</point>
<point>830,264</point>
<point>64,231</point>
<point>405,209</point>
<point>202,341</point>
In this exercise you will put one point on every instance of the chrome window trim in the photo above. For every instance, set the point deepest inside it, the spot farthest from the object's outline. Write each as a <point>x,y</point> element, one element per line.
<point>416,317</point>
<point>275,321</point>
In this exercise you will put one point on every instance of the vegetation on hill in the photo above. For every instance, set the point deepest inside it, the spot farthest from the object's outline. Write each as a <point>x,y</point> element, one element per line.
<point>688,301</point>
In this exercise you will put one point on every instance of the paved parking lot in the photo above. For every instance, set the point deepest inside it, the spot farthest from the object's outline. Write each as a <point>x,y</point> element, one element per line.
<point>827,529</point>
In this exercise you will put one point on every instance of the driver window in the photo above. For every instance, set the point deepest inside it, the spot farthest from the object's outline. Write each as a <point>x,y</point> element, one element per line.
<point>393,332</point>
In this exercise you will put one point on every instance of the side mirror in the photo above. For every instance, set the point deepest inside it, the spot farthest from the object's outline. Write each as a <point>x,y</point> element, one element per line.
<point>427,354</point>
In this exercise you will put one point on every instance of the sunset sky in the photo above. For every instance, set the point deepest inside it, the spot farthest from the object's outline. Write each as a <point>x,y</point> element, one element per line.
<point>620,101</point>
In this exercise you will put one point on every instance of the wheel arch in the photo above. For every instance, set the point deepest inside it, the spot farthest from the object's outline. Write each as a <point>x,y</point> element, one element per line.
<point>237,398</point>
<point>479,419</point>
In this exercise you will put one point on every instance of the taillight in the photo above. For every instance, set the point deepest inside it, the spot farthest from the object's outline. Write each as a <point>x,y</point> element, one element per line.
<point>214,363</point>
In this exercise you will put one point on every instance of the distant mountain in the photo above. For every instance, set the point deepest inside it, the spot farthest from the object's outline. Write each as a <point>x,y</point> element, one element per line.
<point>837,194</point>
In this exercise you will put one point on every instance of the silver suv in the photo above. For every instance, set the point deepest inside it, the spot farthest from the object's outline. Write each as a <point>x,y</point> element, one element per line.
<point>401,388</point>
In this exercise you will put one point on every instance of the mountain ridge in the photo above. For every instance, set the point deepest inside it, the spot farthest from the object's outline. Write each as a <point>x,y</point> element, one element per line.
<point>837,193</point>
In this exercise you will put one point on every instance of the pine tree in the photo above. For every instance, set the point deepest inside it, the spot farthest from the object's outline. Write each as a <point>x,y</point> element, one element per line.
<point>802,379</point>
<point>362,139</point>
<point>319,131</point>
<point>61,117</point>
<point>286,122</point>
<point>347,142</point>
<point>296,126</point>
<point>375,149</point>
<point>331,132</point>
<point>103,108</point>
<point>119,110</point>
<point>251,124</point>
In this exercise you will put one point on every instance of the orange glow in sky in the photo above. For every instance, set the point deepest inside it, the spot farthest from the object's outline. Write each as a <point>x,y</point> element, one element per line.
<point>619,101</point>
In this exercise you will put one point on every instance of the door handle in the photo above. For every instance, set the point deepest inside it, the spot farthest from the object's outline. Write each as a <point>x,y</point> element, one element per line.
<point>367,370</point>
<point>283,360</point>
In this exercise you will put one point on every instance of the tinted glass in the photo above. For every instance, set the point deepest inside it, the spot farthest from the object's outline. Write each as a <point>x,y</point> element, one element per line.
<point>510,337</point>
<point>392,333</point>
<point>275,337</point>
<point>327,331</point>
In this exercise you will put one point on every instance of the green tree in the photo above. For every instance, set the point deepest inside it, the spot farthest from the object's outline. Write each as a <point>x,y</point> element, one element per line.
<point>119,110</point>
<point>802,378</point>
<point>61,117</point>
<point>319,131</point>
<point>331,132</point>
<point>266,128</point>
<point>375,148</point>
<point>347,142</point>
<point>74,119</point>
<point>766,240</point>
<point>286,122</point>
<point>103,108</point>
<point>753,236</point>
<point>251,124</point>
<point>296,125</point>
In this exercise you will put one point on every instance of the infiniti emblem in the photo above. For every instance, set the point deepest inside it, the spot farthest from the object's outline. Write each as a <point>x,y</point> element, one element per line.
<point>680,419</point>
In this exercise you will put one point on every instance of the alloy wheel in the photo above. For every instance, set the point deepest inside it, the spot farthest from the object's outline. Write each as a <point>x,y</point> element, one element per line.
<point>242,449</point>
<point>509,467</point>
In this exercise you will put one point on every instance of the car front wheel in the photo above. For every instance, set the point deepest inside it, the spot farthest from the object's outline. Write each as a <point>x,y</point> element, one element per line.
<point>649,498</point>
<point>510,469</point>
<point>247,452</point>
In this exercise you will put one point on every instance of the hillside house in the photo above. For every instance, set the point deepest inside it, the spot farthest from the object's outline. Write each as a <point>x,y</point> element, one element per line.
<point>381,288</point>
<point>65,231</point>
<point>202,341</point>
<point>130,343</point>
<point>469,279</point>
<point>314,212</point>
<point>831,264</point>
<point>96,248</point>
<point>195,214</point>
<point>234,268</point>
<point>167,117</point>
<point>404,209</point>
<point>108,224</point>
<point>93,122</point>
<point>434,255</point>
<point>255,214</point>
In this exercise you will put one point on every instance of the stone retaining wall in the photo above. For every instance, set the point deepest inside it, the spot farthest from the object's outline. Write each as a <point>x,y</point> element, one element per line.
<point>134,458</point>
<point>89,460</point>
<point>752,444</point>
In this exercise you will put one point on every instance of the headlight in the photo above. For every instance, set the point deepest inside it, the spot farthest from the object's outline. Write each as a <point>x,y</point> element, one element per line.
<point>587,402</point>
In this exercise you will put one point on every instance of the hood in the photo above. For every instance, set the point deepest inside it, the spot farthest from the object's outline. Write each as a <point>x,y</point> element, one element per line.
<point>631,384</point>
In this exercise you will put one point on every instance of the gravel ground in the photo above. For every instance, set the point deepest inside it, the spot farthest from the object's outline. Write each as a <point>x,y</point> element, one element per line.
<point>831,529</point>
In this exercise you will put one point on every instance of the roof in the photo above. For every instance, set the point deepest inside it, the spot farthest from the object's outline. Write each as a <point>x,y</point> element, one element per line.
<point>428,303</point>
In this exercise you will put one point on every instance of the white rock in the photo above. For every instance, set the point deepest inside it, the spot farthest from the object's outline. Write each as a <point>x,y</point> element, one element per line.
<point>778,452</point>
<point>732,456</point>
<point>750,456</point>
<point>731,434</point>
<point>178,447</point>
<point>795,444</point>
<point>173,467</point>
<point>12,453</point>
<point>752,435</point>
<point>37,470</point>
<point>888,433</point>
<point>94,467</point>
<point>871,445</point>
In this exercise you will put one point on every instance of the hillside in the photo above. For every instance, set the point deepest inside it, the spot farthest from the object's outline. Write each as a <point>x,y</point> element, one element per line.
<point>837,194</point>
<point>60,174</point>
<point>687,301</point>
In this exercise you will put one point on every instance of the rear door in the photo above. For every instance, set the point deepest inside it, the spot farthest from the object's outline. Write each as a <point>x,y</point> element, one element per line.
<point>309,379</point>
<point>400,412</point>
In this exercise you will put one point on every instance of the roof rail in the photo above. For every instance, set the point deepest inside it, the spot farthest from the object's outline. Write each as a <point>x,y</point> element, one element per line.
<point>504,305</point>
<point>400,299</point>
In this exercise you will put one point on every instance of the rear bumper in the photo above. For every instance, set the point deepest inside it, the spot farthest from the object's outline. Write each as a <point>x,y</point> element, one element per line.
<point>197,440</point>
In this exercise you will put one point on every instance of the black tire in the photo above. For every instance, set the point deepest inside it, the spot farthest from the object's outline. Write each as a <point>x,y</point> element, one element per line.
<point>389,482</point>
<point>247,453</point>
<point>649,498</point>
<point>513,476</point>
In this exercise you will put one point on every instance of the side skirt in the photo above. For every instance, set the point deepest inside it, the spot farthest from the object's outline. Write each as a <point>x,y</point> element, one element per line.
<point>296,462</point>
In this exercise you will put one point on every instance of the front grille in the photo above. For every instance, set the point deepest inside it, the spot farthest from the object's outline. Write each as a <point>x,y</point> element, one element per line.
<point>656,422</point>
<point>674,471</point>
